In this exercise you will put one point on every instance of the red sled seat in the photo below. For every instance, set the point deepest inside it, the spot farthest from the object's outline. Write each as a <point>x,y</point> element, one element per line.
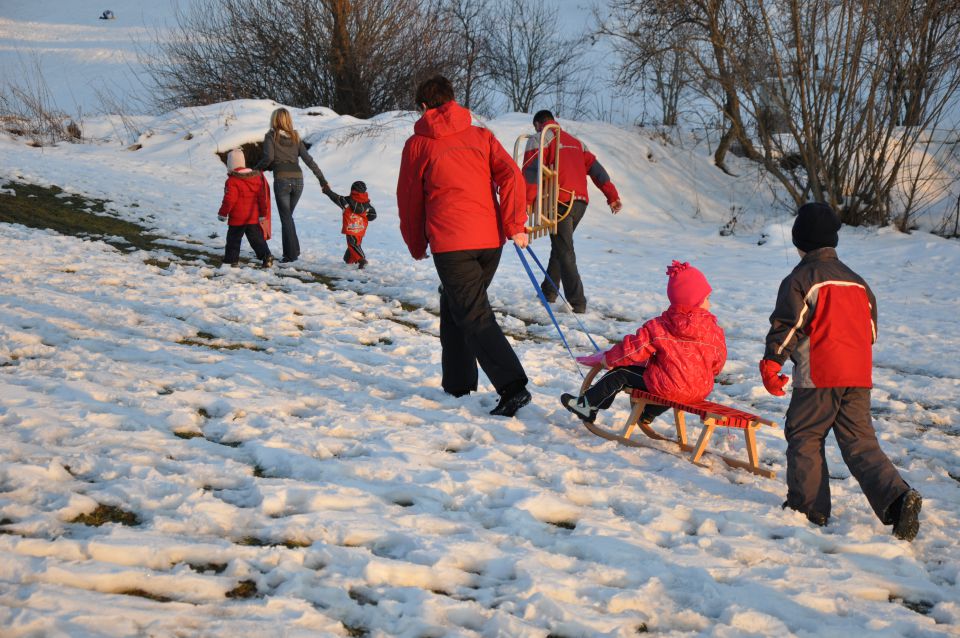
<point>712,415</point>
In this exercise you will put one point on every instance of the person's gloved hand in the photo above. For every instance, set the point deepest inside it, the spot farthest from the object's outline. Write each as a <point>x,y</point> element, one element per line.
<point>262,219</point>
<point>593,359</point>
<point>222,218</point>
<point>615,206</point>
<point>773,381</point>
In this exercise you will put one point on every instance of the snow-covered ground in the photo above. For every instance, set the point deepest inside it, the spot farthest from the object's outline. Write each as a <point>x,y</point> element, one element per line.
<point>296,470</point>
<point>333,473</point>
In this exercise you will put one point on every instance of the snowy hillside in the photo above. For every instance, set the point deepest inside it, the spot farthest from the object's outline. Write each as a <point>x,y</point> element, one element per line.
<point>295,469</point>
<point>194,450</point>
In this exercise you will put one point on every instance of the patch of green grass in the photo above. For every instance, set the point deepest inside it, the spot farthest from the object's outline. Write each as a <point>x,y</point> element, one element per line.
<point>203,568</point>
<point>252,541</point>
<point>187,435</point>
<point>107,514</point>
<point>188,341</point>
<point>294,544</point>
<point>145,594</point>
<point>356,631</point>
<point>244,589</point>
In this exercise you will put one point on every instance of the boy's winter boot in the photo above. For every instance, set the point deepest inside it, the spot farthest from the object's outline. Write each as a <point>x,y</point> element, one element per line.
<point>905,513</point>
<point>580,407</point>
<point>268,261</point>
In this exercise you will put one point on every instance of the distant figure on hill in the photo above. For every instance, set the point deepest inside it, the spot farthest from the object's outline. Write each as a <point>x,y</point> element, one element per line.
<point>825,320</point>
<point>107,15</point>
<point>576,163</point>
<point>357,213</point>
<point>460,193</point>
<point>245,207</point>
<point>282,151</point>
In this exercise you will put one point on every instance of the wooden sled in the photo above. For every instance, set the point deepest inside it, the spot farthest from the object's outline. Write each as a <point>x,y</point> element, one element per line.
<point>712,415</point>
<point>546,213</point>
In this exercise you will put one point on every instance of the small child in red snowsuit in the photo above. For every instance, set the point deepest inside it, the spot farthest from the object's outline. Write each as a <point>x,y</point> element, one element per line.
<point>357,213</point>
<point>245,208</point>
<point>676,355</point>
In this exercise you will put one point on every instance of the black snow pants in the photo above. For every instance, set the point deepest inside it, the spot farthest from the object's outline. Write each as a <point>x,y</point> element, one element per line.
<point>813,412</point>
<point>602,393</point>
<point>562,266</point>
<point>254,233</point>
<point>469,333</point>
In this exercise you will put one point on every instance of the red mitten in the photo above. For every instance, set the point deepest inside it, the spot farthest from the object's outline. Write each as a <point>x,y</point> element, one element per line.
<point>592,359</point>
<point>773,381</point>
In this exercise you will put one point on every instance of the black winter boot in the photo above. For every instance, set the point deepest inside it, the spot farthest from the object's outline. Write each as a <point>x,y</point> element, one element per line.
<point>905,513</point>
<point>510,403</point>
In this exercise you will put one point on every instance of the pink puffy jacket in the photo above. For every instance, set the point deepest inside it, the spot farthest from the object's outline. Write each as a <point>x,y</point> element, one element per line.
<point>683,350</point>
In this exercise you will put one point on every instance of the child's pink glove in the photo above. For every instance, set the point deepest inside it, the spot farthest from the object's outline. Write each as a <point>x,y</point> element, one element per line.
<point>772,380</point>
<point>592,360</point>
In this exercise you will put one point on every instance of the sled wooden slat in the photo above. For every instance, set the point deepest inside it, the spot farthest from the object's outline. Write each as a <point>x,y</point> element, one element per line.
<point>712,415</point>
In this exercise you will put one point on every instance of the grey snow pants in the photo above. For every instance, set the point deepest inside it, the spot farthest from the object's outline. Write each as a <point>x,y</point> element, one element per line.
<point>813,412</point>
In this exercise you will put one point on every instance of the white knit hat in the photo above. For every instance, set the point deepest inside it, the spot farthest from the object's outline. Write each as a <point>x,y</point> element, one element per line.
<point>235,159</point>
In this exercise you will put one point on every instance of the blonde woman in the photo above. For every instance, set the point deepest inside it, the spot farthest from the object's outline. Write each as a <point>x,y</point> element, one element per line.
<point>282,151</point>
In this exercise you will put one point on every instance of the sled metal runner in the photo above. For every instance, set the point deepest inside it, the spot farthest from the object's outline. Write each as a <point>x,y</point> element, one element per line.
<point>545,214</point>
<point>712,415</point>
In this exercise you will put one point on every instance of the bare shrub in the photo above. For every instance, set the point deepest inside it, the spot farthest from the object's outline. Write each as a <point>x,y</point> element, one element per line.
<point>532,61</point>
<point>358,57</point>
<point>27,108</point>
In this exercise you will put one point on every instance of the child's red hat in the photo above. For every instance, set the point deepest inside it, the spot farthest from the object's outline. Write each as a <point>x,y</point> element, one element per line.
<point>686,285</point>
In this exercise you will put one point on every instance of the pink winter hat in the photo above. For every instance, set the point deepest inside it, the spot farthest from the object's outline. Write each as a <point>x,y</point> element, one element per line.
<point>686,285</point>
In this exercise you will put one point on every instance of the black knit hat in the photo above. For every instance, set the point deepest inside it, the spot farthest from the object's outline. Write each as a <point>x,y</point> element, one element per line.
<point>815,227</point>
<point>358,187</point>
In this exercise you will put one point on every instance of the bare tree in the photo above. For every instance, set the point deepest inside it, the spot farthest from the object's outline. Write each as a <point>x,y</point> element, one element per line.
<point>359,57</point>
<point>470,24</point>
<point>832,96</point>
<point>653,54</point>
<point>531,59</point>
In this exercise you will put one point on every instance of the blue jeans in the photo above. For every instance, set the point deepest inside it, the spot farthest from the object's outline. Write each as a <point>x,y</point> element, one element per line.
<point>287,193</point>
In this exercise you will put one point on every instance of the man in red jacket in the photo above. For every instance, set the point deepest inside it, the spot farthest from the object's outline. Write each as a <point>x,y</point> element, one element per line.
<point>576,163</point>
<point>451,177</point>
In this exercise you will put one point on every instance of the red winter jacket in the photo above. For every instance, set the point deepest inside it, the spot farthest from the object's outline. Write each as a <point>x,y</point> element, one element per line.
<point>826,321</point>
<point>683,350</point>
<point>576,162</point>
<point>447,191</point>
<point>246,198</point>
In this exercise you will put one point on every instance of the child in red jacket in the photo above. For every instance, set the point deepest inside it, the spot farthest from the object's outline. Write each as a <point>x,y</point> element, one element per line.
<point>676,355</point>
<point>245,207</point>
<point>357,213</point>
<point>825,321</point>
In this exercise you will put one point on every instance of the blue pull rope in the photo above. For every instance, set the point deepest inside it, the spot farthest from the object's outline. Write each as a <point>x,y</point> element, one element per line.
<point>583,328</point>
<point>546,304</point>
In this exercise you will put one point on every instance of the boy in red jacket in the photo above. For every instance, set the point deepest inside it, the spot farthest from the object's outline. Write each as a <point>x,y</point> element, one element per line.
<point>825,320</point>
<point>357,213</point>
<point>676,355</point>
<point>246,205</point>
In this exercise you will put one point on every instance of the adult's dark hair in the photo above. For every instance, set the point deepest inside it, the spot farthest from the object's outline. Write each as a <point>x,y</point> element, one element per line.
<point>434,92</point>
<point>543,116</point>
